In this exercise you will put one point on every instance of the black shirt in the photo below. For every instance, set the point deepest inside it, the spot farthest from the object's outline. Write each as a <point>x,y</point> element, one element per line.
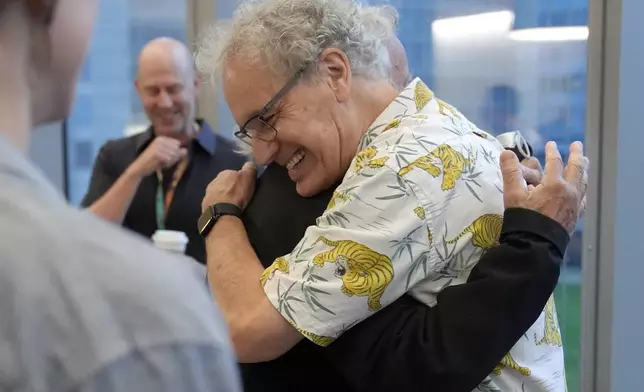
<point>209,155</point>
<point>409,346</point>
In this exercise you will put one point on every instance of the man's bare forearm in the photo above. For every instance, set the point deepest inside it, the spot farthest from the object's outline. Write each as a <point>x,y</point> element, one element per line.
<point>113,205</point>
<point>233,268</point>
<point>258,331</point>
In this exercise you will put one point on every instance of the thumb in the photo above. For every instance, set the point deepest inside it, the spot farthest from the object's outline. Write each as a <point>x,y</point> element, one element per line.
<point>249,171</point>
<point>183,152</point>
<point>514,186</point>
<point>250,167</point>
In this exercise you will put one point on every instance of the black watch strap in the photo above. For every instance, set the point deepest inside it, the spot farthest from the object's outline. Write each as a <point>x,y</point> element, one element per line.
<point>212,214</point>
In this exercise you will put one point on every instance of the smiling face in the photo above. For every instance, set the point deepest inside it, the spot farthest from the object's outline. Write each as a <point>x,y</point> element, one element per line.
<point>167,86</point>
<point>317,132</point>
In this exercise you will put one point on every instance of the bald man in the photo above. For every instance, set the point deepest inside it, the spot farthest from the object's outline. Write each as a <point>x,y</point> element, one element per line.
<point>156,180</point>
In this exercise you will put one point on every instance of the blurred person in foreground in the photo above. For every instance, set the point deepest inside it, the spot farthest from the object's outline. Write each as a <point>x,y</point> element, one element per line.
<point>408,345</point>
<point>155,180</point>
<point>84,305</point>
<point>420,199</point>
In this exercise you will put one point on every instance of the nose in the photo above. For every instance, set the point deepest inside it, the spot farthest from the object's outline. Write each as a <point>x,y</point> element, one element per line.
<point>264,152</point>
<point>164,100</point>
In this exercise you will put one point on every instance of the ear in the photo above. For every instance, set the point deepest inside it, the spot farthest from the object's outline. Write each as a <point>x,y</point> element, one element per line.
<point>338,72</point>
<point>41,11</point>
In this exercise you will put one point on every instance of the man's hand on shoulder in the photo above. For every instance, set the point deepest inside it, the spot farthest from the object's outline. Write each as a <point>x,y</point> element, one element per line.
<point>232,186</point>
<point>561,195</point>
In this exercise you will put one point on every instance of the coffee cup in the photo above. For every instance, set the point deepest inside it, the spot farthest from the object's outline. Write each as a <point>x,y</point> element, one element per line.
<point>170,240</point>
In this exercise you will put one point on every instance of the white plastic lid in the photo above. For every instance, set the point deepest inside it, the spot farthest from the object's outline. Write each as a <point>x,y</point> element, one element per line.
<point>170,236</point>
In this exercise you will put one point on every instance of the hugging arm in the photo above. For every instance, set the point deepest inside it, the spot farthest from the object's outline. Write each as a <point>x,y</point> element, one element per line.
<point>454,345</point>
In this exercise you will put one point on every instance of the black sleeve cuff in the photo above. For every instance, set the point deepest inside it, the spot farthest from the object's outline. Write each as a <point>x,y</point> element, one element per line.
<point>529,221</point>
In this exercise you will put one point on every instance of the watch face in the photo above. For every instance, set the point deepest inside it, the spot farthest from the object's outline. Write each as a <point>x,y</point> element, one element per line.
<point>204,221</point>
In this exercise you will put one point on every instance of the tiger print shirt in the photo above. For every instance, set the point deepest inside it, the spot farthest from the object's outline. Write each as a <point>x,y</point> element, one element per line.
<point>420,203</point>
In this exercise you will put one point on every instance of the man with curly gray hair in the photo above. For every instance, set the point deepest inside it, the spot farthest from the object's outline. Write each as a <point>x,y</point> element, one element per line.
<point>420,199</point>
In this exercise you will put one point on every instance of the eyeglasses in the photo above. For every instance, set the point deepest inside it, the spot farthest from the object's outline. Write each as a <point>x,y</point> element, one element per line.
<point>258,126</point>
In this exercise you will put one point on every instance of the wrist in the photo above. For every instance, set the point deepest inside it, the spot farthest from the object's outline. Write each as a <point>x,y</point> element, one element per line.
<point>134,172</point>
<point>216,215</point>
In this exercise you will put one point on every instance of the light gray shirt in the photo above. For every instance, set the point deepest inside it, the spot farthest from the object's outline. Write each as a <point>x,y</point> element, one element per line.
<point>86,306</point>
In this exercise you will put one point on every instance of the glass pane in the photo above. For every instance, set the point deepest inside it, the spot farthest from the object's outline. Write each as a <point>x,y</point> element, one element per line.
<point>225,123</point>
<point>107,106</point>
<point>507,65</point>
<point>511,65</point>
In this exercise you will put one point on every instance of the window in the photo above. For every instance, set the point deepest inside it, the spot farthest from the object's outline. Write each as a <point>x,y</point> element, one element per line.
<point>512,65</point>
<point>107,104</point>
<point>505,69</point>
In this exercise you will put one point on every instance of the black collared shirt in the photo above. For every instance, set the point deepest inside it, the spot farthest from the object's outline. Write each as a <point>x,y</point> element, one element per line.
<point>209,155</point>
<point>408,346</point>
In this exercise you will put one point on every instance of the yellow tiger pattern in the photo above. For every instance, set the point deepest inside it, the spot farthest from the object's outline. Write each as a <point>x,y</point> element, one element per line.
<point>280,264</point>
<point>364,272</point>
<point>393,124</point>
<point>365,158</point>
<point>452,161</point>
<point>442,106</point>
<point>341,196</point>
<point>317,339</point>
<point>509,363</point>
<point>420,212</point>
<point>423,95</point>
<point>485,230</point>
<point>551,333</point>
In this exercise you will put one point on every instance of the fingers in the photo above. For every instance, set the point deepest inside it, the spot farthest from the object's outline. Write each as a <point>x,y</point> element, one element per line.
<point>532,163</point>
<point>170,158</point>
<point>169,151</point>
<point>514,186</point>
<point>576,171</point>
<point>250,167</point>
<point>554,164</point>
<point>249,173</point>
<point>531,176</point>
<point>582,207</point>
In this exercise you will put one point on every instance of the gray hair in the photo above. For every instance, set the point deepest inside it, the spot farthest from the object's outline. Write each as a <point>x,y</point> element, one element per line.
<point>288,35</point>
<point>382,20</point>
<point>296,31</point>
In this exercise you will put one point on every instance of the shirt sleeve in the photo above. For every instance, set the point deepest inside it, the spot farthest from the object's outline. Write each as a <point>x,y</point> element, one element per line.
<point>368,248</point>
<point>102,178</point>
<point>411,346</point>
<point>168,368</point>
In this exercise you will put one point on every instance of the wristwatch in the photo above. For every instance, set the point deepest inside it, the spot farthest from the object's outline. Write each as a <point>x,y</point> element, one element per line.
<point>212,214</point>
<point>516,143</point>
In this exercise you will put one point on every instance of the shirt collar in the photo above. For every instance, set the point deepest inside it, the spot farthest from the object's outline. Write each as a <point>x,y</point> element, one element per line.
<point>409,102</point>
<point>205,138</point>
